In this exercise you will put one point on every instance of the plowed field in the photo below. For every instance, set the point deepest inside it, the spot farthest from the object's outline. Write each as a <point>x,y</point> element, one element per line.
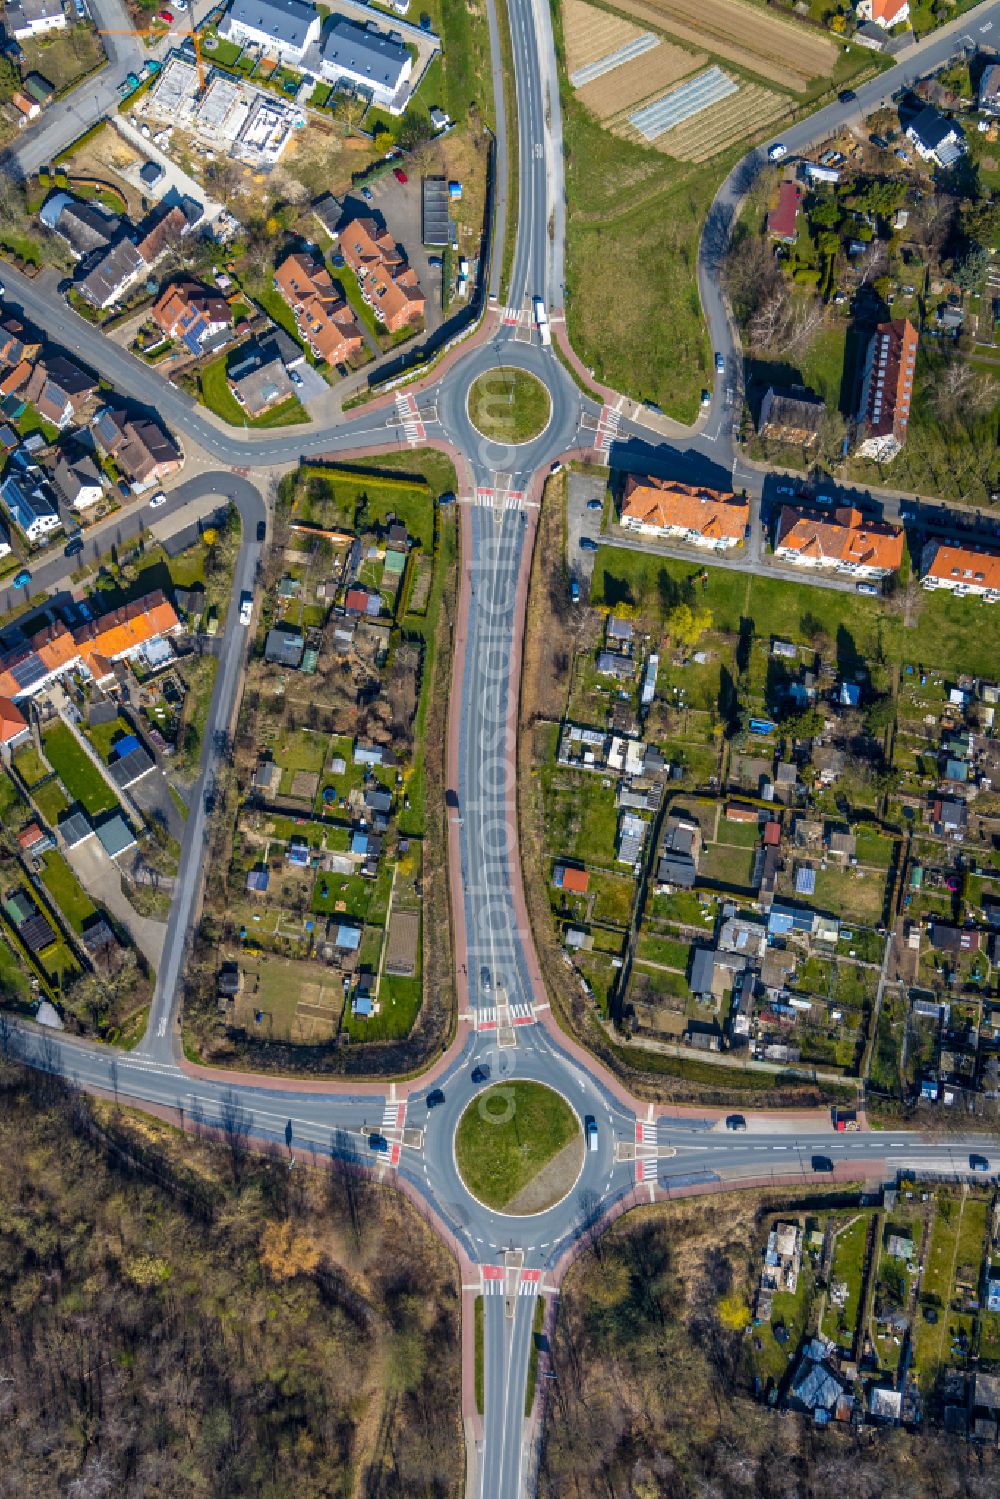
<point>779,50</point>
<point>639,80</point>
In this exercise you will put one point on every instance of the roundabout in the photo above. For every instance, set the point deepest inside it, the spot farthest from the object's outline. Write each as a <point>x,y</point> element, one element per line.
<point>519,1148</point>
<point>509,405</point>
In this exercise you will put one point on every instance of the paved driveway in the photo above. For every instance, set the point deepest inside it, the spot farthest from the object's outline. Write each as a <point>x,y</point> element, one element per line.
<point>101,878</point>
<point>399,205</point>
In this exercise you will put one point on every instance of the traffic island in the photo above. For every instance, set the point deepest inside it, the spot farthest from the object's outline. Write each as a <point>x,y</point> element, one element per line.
<point>519,1148</point>
<point>508,405</point>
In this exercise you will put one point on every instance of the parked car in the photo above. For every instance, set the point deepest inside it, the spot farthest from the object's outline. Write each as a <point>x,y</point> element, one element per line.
<point>157,501</point>
<point>399,174</point>
<point>446,498</point>
<point>736,1122</point>
<point>595,504</point>
<point>124,488</point>
<point>556,468</point>
<point>720,364</point>
<point>978,1163</point>
<point>822,1163</point>
<point>72,548</point>
<point>574,591</point>
<point>437,261</point>
<point>435,1097</point>
<point>246,607</point>
<point>706,398</point>
<point>22,579</point>
<point>871,590</point>
<point>166,15</point>
<point>588,544</point>
<point>590,1130</point>
<point>747,531</point>
<point>847,96</point>
<point>295,377</point>
<point>262,530</point>
<point>366,193</point>
<point>777,151</point>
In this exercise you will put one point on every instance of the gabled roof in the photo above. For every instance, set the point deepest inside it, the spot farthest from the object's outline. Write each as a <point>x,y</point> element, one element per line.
<point>287,21</point>
<point>666,503</point>
<point>954,563</point>
<point>843,537</point>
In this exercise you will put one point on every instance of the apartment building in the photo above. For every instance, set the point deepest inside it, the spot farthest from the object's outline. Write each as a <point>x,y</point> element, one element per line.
<point>843,542</point>
<point>887,389</point>
<point>35,663</point>
<point>286,28</point>
<point>963,570</point>
<point>388,283</point>
<point>324,320</point>
<point>666,508</point>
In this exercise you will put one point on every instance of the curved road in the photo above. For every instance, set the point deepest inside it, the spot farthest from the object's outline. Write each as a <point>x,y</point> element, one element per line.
<point>642,1153</point>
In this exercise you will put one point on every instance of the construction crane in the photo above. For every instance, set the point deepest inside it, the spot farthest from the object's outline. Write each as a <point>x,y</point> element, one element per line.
<point>157,35</point>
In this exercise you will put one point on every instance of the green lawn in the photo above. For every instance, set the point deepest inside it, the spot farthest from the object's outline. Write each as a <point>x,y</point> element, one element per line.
<point>506,1136</point>
<point>66,891</point>
<point>51,801</point>
<point>103,735</point>
<point>399,1001</point>
<point>83,781</point>
<point>848,1266</point>
<point>30,765</point>
<point>508,405</point>
<point>581,820</point>
<point>217,396</point>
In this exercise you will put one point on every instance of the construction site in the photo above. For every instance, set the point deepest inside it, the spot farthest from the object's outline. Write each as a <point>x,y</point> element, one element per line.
<point>224,114</point>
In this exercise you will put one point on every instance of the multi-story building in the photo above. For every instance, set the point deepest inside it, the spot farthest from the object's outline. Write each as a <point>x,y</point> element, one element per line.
<point>323,318</point>
<point>144,453</point>
<point>663,507</point>
<point>35,663</point>
<point>388,284</point>
<point>30,503</point>
<point>962,569</point>
<point>367,62</point>
<point>285,28</point>
<point>25,19</point>
<point>844,542</point>
<point>887,389</point>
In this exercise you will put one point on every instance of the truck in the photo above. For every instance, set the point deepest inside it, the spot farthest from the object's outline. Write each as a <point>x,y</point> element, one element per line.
<point>542,321</point>
<point>246,607</point>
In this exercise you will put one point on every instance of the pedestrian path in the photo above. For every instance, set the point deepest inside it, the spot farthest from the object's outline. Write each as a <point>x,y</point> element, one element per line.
<point>393,1124</point>
<point>409,418</point>
<point>607,429</point>
<point>499,495</point>
<point>486,1016</point>
<point>493,1280</point>
<point>647,1151</point>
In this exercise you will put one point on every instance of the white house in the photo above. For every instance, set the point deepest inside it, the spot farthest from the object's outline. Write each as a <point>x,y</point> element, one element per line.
<point>30,504</point>
<point>286,28</point>
<point>936,138</point>
<point>962,569</point>
<point>5,546</point>
<point>367,61</point>
<point>24,19</point>
<point>78,481</point>
<point>884,13</point>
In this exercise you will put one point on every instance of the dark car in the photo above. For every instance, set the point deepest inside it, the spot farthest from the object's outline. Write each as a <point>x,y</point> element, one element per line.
<point>73,547</point>
<point>588,544</point>
<point>378,1143</point>
<point>21,579</point>
<point>339,262</point>
<point>435,1097</point>
<point>847,96</point>
<point>124,488</point>
<point>822,1163</point>
<point>978,1163</point>
<point>485,979</point>
<point>736,1122</point>
<point>595,504</point>
<point>481,1073</point>
<point>262,530</point>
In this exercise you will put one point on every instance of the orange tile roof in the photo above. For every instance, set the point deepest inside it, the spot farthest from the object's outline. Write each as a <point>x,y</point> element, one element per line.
<point>975,566</point>
<point>12,720</point>
<point>576,879</point>
<point>121,630</point>
<point>388,284</point>
<point>843,537</point>
<point>322,316</point>
<point>886,11</point>
<point>713,513</point>
<point>16,377</point>
<point>888,386</point>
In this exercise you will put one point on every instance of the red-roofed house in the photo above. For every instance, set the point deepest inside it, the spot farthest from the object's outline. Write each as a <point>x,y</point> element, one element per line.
<point>885,13</point>
<point>782,221</point>
<point>961,569</point>
<point>887,389</point>
<point>772,834</point>
<point>664,507</point>
<point>844,541</point>
<point>576,881</point>
<point>13,724</point>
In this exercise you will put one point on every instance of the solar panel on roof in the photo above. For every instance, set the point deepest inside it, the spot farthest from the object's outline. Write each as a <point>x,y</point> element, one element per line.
<point>28,671</point>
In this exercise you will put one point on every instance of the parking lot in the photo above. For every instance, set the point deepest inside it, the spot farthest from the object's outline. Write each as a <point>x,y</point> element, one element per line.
<point>581,491</point>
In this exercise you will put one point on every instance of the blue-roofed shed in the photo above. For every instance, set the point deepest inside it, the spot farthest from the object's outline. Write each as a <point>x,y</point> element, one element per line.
<point>298,854</point>
<point>123,746</point>
<point>359,843</point>
<point>779,922</point>
<point>956,770</point>
<point>362,1005</point>
<point>805,879</point>
<point>258,879</point>
<point>348,938</point>
<point>850,694</point>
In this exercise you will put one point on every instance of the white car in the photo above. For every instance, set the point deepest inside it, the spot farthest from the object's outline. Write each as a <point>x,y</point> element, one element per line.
<point>157,501</point>
<point>777,151</point>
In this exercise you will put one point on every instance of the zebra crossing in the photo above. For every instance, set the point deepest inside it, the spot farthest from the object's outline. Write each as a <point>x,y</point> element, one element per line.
<point>511,316</point>
<point>520,1014</point>
<point>646,1151</point>
<point>409,418</point>
<point>492,497</point>
<point>494,1281</point>
<point>607,429</point>
<point>393,1121</point>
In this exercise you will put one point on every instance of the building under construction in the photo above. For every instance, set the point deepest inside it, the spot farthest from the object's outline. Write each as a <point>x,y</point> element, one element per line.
<point>226,113</point>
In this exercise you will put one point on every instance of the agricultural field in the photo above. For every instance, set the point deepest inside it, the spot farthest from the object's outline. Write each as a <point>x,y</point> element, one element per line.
<point>593,34</point>
<point>788,55</point>
<point>639,79</point>
<point>740,117</point>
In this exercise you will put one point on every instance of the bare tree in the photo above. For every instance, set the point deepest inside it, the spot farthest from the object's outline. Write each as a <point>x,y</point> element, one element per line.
<point>235,1122</point>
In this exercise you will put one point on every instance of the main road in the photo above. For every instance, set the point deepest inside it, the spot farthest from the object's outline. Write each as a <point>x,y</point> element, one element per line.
<point>643,1154</point>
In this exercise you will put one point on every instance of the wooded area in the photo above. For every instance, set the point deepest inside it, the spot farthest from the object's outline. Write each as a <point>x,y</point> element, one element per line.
<point>650,1399</point>
<point>181,1317</point>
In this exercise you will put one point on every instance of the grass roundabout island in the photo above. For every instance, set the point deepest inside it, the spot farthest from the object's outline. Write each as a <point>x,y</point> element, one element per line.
<point>508,405</point>
<point>519,1147</point>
